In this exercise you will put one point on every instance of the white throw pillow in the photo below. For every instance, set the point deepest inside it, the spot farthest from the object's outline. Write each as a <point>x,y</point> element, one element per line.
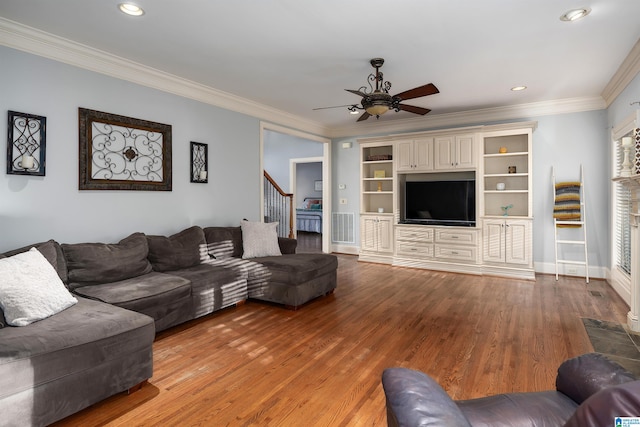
<point>259,239</point>
<point>30,289</point>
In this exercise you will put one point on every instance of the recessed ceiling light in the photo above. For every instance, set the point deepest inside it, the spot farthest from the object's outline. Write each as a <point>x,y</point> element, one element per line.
<point>518,88</point>
<point>131,9</point>
<point>575,14</point>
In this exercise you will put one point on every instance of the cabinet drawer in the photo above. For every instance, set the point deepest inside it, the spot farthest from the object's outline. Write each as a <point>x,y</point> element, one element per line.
<point>414,235</point>
<point>457,236</point>
<point>420,250</point>
<point>461,253</point>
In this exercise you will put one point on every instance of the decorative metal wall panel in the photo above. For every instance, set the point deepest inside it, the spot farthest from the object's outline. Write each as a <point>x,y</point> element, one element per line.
<point>123,153</point>
<point>636,160</point>
<point>26,144</point>
<point>199,163</point>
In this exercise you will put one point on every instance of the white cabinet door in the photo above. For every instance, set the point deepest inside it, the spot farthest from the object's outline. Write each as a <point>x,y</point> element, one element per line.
<point>465,152</point>
<point>454,152</point>
<point>376,233</point>
<point>493,240</point>
<point>507,241</point>
<point>423,154</point>
<point>368,233</point>
<point>404,156</point>
<point>414,155</point>
<point>517,242</point>
<point>385,234</point>
<point>443,151</point>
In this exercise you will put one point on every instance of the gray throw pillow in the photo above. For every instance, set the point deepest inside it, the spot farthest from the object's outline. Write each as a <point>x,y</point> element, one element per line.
<point>96,263</point>
<point>259,239</point>
<point>181,250</point>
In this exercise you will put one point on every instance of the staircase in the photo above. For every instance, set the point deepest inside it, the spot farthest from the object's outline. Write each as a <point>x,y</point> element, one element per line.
<point>278,206</point>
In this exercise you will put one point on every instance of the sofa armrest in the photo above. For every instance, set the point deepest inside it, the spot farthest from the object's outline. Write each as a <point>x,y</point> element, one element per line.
<point>287,246</point>
<point>583,376</point>
<point>415,399</point>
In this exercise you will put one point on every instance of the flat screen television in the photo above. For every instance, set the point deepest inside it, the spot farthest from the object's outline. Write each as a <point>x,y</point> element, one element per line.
<point>440,202</point>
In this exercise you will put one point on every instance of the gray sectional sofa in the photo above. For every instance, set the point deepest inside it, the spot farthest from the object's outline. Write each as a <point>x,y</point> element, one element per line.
<point>126,293</point>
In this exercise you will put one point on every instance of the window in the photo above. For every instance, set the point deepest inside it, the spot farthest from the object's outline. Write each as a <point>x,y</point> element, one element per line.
<point>622,211</point>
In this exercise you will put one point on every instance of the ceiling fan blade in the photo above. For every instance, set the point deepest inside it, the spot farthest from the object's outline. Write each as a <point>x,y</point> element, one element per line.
<point>364,116</point>
<point>414,109</point>
<point>357,92</point>
<point>335,106</point>
<point>417,92</point>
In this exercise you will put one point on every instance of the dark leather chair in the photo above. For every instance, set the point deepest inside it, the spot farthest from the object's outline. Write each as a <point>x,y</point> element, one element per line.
<point>591,391</point>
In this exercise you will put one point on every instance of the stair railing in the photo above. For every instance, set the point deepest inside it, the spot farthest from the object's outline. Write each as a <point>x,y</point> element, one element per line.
<point>278,206</point>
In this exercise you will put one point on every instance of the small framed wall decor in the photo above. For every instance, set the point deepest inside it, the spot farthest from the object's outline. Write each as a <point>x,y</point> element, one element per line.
<point>199,163</point>
<point>123,153</point>
<point>317,185</point>
<point>26,144</point>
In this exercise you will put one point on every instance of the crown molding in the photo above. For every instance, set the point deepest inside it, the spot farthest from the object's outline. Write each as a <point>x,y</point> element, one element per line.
<point>479,116</point>
<point>627,71</point>
<point>37,42</point>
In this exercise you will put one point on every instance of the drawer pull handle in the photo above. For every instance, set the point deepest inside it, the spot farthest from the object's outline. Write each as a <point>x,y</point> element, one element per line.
<point>454,253</point>
<point>455,237</point>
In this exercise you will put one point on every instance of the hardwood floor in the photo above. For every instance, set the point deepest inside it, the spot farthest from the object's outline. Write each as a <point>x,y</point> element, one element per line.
<point>259,364</point>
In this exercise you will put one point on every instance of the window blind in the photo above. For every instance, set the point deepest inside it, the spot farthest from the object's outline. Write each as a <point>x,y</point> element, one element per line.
<point>622,205</point>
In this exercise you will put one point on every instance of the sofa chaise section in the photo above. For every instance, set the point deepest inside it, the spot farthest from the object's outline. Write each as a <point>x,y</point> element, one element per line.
<point>61,364</point>
<point>289,279</point>
<point>69,361</point>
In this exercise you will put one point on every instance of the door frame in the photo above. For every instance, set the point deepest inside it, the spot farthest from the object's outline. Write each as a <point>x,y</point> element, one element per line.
<point>326,175</point>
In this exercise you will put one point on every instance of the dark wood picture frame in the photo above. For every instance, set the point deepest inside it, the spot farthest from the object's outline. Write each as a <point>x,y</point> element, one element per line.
<point>26,136</point>
<point>123,153</point>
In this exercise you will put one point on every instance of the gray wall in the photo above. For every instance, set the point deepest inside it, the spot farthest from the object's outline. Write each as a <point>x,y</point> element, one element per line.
<point>280,148</point>
<point>38,208</point>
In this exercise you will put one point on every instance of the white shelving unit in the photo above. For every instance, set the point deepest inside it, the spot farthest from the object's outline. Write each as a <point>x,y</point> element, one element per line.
<point>507,183</point>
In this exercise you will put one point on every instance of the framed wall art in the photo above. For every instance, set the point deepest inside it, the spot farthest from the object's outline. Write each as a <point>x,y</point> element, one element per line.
<point>199,163</point>
<point>26,143</point>
<point>123,153</point>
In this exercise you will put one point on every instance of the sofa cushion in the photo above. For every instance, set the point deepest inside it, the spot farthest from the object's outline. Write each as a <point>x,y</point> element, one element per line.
<point>142,293</point>
<point>298,268</point>
<point>415,399</point>
<point>51,251</point>
<point>96,263</point>
<point>603,407</point>
<point>180,250</point>
<point>585,375</point>
<point>224,242</point>
<point>30,289</point>
<point>214,287</point>
<point>544,408</point>
<point>259,239</point>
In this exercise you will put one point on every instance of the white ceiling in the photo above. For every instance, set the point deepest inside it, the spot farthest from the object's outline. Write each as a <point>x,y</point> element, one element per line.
<point>296,55</point>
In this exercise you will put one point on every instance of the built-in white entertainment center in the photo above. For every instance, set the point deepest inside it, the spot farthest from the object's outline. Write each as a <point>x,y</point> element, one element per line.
<point>455,200</point>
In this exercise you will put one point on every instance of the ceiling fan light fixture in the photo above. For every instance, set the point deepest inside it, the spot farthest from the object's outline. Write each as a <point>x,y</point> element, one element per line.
<point>377,110</point>
<point>131,9</point>
<point>575,14</point>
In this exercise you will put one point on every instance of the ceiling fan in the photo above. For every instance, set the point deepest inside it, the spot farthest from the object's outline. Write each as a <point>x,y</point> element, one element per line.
<point>377,101</point>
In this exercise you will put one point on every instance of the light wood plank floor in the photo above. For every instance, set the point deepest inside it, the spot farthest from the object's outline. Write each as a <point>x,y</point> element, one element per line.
<point>259,364</point>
